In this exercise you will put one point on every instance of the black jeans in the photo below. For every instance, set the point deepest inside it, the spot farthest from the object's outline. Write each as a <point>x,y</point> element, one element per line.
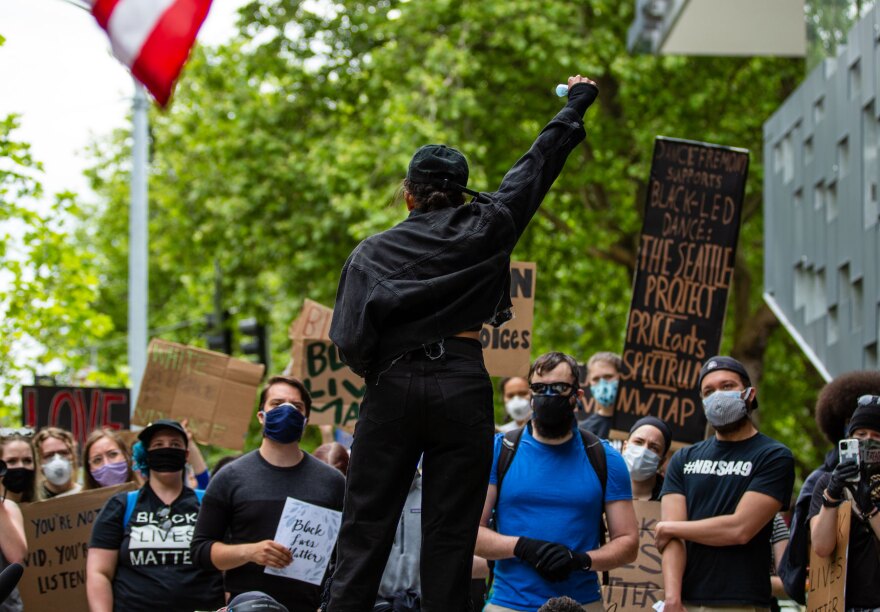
<point>441,407</point>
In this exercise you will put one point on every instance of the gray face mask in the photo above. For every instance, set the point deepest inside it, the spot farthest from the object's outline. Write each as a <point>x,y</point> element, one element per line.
<point>726,407</point>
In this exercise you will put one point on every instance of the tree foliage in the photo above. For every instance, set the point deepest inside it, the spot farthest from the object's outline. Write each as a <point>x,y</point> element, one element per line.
<point>48,284</point>
<point>284,148</point>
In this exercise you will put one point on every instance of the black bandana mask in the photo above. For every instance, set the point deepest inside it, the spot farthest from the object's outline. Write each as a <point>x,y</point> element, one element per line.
<point>552,414</point>
<point>166,459</point>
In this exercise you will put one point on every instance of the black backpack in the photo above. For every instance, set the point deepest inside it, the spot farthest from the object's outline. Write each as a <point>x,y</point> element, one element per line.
<point>595,453</point>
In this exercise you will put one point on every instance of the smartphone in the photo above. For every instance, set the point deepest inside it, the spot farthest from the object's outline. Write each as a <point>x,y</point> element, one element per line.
<point>849,451</point>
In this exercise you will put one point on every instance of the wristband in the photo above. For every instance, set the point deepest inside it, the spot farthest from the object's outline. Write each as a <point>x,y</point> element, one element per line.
<point>874,512</point>
<point>830,503</point>
<point>589,560</point>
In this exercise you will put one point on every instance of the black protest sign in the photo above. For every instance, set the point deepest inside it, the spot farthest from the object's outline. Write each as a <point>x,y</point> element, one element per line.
<point>80,410</point>
<point>683,274</point>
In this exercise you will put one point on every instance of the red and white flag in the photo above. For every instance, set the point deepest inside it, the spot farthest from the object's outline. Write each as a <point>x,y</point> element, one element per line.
<point>152,37</point>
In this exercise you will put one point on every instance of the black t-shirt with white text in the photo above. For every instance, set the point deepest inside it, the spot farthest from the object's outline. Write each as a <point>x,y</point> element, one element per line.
<point>154,570</point>
<point>862,558</point>
<point>713,476</point>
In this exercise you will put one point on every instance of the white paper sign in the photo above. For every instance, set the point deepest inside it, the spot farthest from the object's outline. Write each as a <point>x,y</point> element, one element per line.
<point>309,532</point>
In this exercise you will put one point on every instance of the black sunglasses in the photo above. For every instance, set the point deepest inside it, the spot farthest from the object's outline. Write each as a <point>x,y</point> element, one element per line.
<point>554,388</point>
<point>869,400</point>
<point>163,514</point>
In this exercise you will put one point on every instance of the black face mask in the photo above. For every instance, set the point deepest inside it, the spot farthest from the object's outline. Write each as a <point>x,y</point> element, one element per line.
<point>552,414</point>
<point>166,459</point>
<point>18,480</point>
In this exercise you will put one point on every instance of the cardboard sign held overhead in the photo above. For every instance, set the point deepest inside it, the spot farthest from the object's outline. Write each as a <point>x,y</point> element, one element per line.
<point>79,410</point>
<point>313,322</point>
<point>214,391</point>
<point>336,391</point>
<point>684,269</point>
<point>58,532</point>
<point>507,349</point>
<point>828,576</point>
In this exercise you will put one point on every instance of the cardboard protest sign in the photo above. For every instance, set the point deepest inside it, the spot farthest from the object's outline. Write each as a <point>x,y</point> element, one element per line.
<point>827,582</point>
<point>309,532</point>
<point>214,391</point>
<point>57,532</point>
<point>631,597</point>
<point>683,273</point>
<point>336,391</point>
<point>313,322</point>
<point>79,410</point>
<point>645,571</point>
<point>507,349</point>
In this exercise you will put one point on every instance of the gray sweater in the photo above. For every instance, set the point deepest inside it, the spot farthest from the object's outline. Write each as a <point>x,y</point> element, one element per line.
<point>243,504</point>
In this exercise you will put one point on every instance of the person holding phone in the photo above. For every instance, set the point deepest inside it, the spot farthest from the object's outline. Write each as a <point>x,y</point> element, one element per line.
<point>860,483</point>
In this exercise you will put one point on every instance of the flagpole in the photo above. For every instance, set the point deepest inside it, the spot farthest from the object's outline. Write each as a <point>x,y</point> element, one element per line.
<point>138,235</point>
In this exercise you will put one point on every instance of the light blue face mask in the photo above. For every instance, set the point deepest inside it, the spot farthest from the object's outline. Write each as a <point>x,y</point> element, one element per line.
<point>605,392</point>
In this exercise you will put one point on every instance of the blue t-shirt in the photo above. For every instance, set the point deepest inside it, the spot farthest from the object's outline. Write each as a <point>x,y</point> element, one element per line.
<point>551,492</point>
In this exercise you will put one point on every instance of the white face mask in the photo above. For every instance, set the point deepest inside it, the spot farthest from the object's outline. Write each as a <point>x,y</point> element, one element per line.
<point>641,461</point>
<point>57,470</point>
<point>518,408</point>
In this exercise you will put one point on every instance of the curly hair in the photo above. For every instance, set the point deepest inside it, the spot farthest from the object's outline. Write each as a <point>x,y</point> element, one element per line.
<point>561,604</point>
<point>837,401</point>
<point>429,197</point>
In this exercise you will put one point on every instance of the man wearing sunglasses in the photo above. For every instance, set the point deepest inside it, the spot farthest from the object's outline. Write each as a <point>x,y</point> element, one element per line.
<point>719,499</point>
<point>548,512</point>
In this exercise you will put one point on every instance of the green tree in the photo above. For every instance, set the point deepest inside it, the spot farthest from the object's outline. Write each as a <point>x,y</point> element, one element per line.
<point>47,285</point>
<point>285,147</point>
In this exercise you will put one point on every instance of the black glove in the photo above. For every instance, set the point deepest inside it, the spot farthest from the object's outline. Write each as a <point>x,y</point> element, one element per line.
<point>843,471</point>
<point>553,562</point>
<point>558,562</point>
<point>866,494</point>
<point>531,550</point>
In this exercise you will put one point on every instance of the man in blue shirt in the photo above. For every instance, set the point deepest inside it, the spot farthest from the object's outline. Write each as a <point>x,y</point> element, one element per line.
<point>548,514</point>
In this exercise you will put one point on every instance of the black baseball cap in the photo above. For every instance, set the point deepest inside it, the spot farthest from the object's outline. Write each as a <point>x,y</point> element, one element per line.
<point>437,164</point>
<point>720,362</point>
<point>147,433</point>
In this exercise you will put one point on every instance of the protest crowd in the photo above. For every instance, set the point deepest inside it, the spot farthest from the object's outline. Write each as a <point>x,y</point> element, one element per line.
<point>183,538</point>
<point>434,506</point>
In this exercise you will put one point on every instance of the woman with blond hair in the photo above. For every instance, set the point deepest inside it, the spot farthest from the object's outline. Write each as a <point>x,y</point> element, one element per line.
<point>56,450</point>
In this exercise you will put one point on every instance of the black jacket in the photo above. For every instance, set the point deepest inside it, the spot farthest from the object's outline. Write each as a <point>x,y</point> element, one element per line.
<point>441,272</point>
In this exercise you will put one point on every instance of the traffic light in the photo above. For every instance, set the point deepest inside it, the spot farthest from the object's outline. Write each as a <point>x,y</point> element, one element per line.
<point>254,340</point>
<point>217,333</point>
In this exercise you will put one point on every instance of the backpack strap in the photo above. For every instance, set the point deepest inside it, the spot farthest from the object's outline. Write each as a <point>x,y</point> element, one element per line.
<point>596,454</point>
<point>130,502</point>
<point>509,445</point>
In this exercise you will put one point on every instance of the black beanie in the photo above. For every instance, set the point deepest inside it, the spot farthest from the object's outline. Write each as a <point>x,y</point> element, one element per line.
<point>655,422</point>
<point>867,415</point>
